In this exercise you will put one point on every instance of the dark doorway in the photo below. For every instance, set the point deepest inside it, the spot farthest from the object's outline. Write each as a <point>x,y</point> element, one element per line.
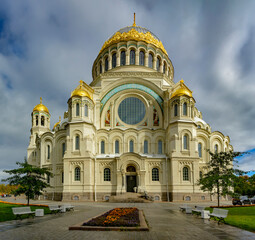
<point>131,183</point>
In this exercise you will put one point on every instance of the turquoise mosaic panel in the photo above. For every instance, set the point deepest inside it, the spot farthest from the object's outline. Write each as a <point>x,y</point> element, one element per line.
<point>132,86</point>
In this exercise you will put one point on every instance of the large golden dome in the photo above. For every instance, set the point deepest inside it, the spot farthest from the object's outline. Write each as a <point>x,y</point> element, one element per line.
<point>134,33</point>
<point>82,91</point>
<point>40,107</point>
<point>182,90</point>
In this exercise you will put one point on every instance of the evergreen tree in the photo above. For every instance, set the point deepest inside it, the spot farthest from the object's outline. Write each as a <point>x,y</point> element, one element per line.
<point>221,175</point>
<point>30,179</point>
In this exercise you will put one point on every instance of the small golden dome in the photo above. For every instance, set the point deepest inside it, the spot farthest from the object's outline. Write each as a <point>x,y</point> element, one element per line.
<point>81,91</point>
<point>182,90</point>
<point>40,107</point>
<point>56,124</point>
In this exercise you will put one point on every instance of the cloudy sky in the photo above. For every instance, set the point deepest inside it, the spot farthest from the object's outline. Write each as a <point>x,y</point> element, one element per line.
<point>47,46</point>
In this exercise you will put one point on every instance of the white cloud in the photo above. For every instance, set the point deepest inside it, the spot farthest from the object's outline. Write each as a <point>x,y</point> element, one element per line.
<point>47,47</point>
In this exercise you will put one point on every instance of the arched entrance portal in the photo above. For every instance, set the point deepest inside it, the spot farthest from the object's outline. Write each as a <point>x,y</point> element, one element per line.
<point>131,178</point>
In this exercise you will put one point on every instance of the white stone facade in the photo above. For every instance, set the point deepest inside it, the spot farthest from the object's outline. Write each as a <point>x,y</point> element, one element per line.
<point>132,127</point>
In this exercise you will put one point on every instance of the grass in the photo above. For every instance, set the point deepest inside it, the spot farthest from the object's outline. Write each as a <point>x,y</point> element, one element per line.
<point>241,217</point>
<point>7,215</point>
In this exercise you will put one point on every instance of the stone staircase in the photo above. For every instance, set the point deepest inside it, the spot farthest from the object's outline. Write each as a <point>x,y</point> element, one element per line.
<point>128,197</point>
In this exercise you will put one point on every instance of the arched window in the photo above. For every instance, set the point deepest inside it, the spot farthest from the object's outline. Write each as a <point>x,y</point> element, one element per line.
<point>175,110</point>
<point>106,64</point>
<point>96,71</point>
<point>184,109</point>
<point>62,177</point>
<point>155,174</point>
<point>132,57</point>
<point>86,113</point>
<point>77,174</point>
<point>107,174</point>
<point>150,60</point>
<point>48,151</point>
<point>141,58</point>
<point>131,146</point>
<point>200,174</point>
<point>200,150</point>
<point>114,60</point>
<point>42,120</point>
<point>160,147</point>
<point>77,142</point>
<point>100,67</point>
<point>185,173</point>
<point>36,120</point>
<point>77,109</point>
<point>122,58</point>
<point>63,149</point>
<point>164,68</point>
<point>102,147</point>
<point>117,146</point>
<point>216,148</point>
<point>185,142</point>
<point>145,147</point>
<point>158,64</point>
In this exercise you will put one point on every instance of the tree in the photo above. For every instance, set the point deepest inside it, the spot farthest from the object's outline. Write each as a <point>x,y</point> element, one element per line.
<point>221,175</point>
<point>30,179</point>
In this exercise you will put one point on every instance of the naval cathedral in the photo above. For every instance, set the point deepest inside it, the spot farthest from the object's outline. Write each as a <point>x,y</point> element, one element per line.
<point>131,129</point>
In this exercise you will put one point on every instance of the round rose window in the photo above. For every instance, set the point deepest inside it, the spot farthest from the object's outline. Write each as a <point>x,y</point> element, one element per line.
<point>131,110</point>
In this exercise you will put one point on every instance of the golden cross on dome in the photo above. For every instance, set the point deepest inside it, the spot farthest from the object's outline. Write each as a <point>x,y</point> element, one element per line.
<point>41,100</point>
<point>59,118</point>
<point>134,25</point>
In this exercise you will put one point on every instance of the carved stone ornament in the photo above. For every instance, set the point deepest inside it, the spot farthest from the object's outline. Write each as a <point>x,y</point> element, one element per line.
<point>189,163</point>
<point>155,164</point>
<point>76,163</point>
<point>106,164</point>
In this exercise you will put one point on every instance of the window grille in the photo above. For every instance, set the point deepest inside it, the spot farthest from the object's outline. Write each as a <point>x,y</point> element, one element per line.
<point>185,173</point>
<point>155,174</point>
<point>107,174</point>
<point>77,174</point>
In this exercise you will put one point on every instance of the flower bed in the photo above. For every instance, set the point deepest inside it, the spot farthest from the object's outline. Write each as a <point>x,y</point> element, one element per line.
<point>117,217</point>
<point>24,204</point>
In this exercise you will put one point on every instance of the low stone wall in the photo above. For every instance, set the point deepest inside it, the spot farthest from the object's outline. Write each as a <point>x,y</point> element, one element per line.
<point>187,197</point>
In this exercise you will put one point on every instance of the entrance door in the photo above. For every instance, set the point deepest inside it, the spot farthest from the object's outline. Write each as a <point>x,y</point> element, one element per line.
<point>131,183</point>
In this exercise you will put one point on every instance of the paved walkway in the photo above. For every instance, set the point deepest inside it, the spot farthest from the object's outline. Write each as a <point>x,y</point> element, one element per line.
<point>165,221</point>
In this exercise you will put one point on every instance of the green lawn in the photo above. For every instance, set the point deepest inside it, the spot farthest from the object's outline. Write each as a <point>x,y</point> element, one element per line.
<point>241,217</point>
<point>7,215</point>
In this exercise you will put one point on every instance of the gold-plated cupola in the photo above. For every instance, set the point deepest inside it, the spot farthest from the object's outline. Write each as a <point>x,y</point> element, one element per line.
<point>40,107</point>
